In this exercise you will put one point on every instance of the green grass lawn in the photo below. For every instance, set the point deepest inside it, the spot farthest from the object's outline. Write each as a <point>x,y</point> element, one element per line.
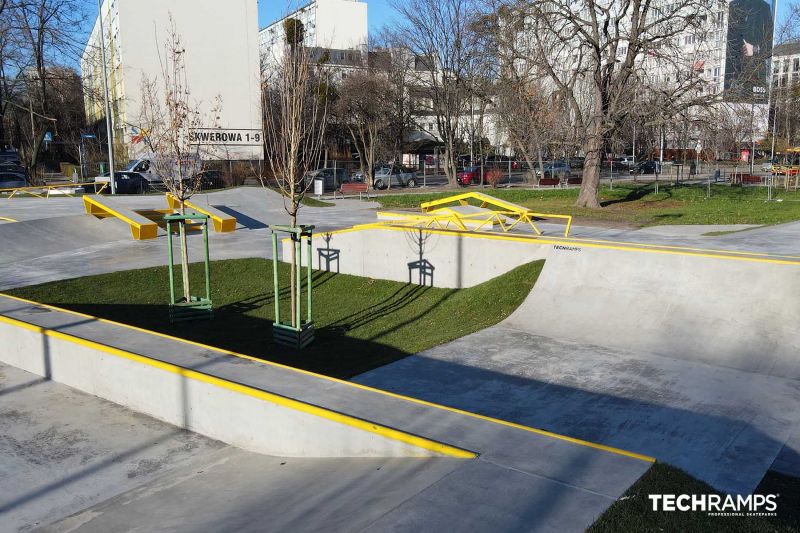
<point>634,512</point>
<point>638,205</point>
<point>313,202</point>
<point>361,323</point>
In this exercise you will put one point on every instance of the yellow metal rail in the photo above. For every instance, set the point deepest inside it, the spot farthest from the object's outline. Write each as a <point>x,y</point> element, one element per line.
<point>141,227</point>
<point>44,191</point>
<point>223,223</point>
<point>8,219</point>
<point>506,214</point>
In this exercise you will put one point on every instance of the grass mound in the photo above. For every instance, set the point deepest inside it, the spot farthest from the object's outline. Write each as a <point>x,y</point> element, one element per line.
<point>361,323</point>
<point>639,205</point>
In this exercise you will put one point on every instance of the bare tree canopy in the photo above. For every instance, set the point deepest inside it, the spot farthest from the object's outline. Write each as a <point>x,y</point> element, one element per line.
<point>440,35</point>
<point>600,55</point>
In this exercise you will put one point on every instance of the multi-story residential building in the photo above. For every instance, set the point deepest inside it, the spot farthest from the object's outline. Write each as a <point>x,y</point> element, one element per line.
<point>222,63</point>
<point>339,26</point>
<point>786,65</point>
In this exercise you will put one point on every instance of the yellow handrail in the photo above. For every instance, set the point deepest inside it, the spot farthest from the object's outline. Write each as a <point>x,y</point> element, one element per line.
<point>43,191</point>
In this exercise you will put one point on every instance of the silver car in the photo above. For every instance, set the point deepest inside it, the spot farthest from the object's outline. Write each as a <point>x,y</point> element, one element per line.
<point>395,175</point>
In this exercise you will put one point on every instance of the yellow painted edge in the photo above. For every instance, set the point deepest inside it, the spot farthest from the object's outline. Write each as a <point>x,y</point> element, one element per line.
<point>131,222</point>
<point>8,219</point>
<point>611,245</point>
<point>580,442</point>
<point>364,425</point>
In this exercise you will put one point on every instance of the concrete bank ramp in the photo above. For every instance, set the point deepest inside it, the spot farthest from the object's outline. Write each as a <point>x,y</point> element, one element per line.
<point>739,312</point>
<point>45,236</point>
<point>508,477</point>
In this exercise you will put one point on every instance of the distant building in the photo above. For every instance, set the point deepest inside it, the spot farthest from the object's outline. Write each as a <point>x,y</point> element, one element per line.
<point>221,43</point>
<point>338,26</point>
<point>786,65</point>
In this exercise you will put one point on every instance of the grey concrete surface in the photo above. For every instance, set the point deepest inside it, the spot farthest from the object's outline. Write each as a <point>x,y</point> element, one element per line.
<point>62,451</point>
<point>449,260</point>
<point>219,412</point>
<point>549,474</point>
<point>721,425</point>
<point>59,241</point>
<point>70,461</point>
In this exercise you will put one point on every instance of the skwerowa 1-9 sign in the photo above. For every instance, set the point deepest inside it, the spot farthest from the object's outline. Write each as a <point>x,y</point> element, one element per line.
<point>226,137</point>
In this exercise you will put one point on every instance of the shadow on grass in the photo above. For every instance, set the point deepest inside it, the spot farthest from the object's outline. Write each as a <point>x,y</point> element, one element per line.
<point>335,352</point>
<point>637,194</point>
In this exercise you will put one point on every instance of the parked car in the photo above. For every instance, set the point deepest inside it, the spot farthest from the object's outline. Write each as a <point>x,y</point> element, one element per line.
<point>646,167</point>
<point>211,179</point>
<point>502,161</point>
<point>625,161</point>
<point>131,182</point>
<point>358,175</point>
<point>12,180</point>
<point>395,175</point>
<point>555,169</point>
<point>333,178</point>
<point>492,175</point>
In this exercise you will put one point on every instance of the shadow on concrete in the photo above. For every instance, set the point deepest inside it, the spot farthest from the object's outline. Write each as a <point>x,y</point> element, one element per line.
<point>707,445</point>
<point>241,218</point>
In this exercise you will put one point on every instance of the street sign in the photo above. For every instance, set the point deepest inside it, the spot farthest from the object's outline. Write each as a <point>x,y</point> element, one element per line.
<point>48,137</point>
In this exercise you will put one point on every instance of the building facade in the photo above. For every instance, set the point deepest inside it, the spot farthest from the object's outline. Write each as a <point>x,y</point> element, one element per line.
<point>336,25</point>
<point>221,58</point>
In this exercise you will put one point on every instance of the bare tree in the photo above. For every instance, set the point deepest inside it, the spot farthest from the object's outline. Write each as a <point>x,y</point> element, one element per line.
<point>296,92</point>
<point>607,51</point>
<point>440,34</point>
<point>42,31</point>
<point>169,121</point>
<point>363,109</point>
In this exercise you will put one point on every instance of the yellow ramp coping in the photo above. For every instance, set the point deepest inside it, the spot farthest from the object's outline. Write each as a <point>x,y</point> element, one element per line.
<point>223,222</point>
<point>141,228</point>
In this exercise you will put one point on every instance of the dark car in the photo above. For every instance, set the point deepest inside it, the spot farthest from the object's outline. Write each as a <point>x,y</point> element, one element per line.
<point>211,179</point>
<point>555,169</point>
<point>647,167</point>
<point>469,176</point>
<point>502,161</point>
<point>332,177</point>
<point>12,180</point>
<point>131,182</point>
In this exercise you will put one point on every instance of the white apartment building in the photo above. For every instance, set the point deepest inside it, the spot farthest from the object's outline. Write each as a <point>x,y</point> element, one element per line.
<point>222,61</point>
<point>337,25</point>
<point>786,65</point>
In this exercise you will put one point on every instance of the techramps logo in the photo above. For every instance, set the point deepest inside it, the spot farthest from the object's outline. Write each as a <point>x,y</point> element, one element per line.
<point>717,504</point>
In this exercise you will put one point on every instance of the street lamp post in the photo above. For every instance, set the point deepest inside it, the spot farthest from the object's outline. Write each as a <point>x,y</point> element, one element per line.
<point>106,97</point>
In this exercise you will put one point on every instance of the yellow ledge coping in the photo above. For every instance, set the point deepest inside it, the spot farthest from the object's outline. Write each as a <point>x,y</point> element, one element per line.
<point>395,434</point>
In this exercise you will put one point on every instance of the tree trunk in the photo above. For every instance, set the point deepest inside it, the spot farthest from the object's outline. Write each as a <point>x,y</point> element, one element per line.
<point>591,169</point>
<point>292,278</point>
<point>187,294</point>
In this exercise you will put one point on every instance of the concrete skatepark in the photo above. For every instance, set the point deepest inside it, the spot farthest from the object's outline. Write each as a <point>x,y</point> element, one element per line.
<point>656,343</point>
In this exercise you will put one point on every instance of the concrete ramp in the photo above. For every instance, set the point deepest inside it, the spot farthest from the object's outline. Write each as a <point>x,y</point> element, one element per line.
<point>29,239</point>
<point>738,312</point>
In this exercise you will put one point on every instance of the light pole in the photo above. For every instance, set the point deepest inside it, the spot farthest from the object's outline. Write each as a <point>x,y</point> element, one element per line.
<point>107,99</point>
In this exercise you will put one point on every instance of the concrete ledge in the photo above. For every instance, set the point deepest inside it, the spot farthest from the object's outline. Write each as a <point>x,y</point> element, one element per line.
<point>249,418</point>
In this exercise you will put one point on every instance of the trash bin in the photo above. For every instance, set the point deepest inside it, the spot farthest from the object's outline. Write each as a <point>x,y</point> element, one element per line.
<point>319,186</point>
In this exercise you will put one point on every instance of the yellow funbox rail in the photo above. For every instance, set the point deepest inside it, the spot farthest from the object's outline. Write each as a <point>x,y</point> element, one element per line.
<point>437,214</point>
<point>141,228</point>
<point>44,191</point>
<point>223,223</point>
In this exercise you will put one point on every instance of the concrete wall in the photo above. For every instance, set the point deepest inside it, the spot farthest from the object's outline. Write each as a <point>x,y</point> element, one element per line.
<point>728,312</point>
<point>450,260</point>
<point>218,411</point>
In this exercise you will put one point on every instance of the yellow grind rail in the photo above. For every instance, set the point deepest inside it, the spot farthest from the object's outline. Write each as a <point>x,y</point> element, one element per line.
<point>44,191</point>
<point>223,223</point>
<point>141,228</point>
<point>506,214</point>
